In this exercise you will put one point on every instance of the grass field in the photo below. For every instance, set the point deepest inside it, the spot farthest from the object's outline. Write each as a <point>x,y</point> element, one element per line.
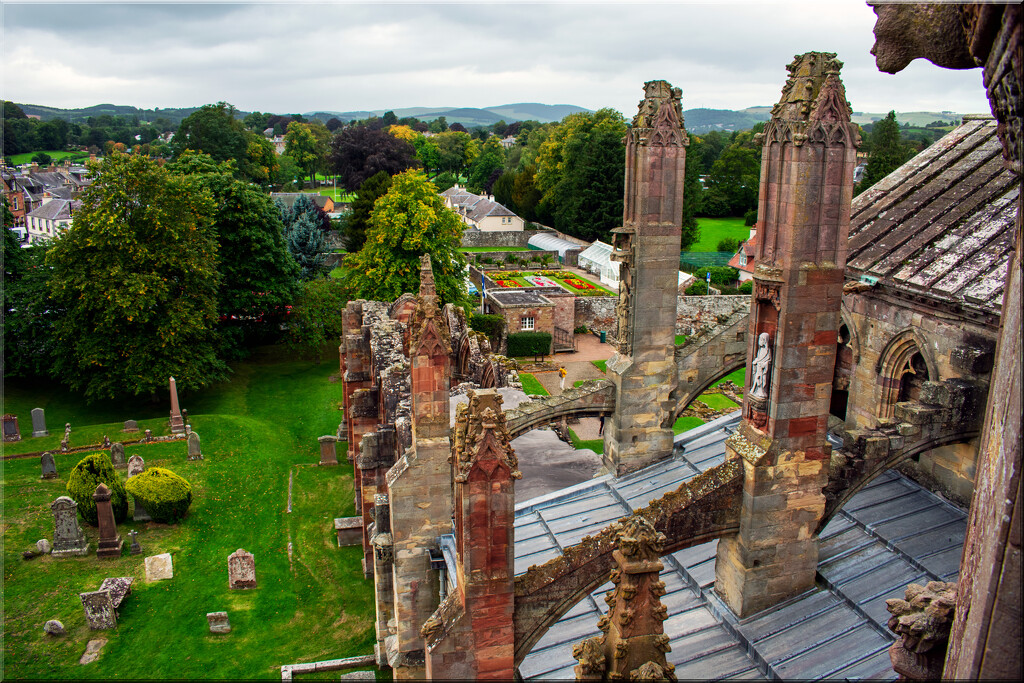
<point>596,445</point>
<point>714,229</point>
<point>686,423</point>
<point>717,401</point>
<point>531,385</point>
<point>680,339</point>
<point>257,430</point>
<point>339,196</point>
<point>26,158</point>
<point>736,377</point>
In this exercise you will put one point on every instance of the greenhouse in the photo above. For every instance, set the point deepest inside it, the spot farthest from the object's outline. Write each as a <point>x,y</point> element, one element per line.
<point>546,242</point>
<point>597,259</point>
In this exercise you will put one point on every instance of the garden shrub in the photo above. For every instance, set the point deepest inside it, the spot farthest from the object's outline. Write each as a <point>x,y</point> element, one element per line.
<point>699,288</point>
<point>164,494</point>
<point>730,244</point>
<point>750,217</point>
<point>90,472</point>
<point>529,344</point>
<point>491,325</point>
<point>720,275</point>
<point>746,287</point>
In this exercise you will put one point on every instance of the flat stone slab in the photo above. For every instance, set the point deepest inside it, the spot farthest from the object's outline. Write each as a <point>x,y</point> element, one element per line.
<point>349,530</point>
<point>120,587</point>
<point>159,567</point>
<point>92,651</point>
<point>219,622</point>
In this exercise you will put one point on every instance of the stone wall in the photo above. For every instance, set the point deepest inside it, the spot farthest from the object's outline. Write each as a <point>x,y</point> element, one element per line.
<point>472,257</point>
<point>597,313</point>
<point>694,311</point>
<point>510,238</point>
<point>879,324</point>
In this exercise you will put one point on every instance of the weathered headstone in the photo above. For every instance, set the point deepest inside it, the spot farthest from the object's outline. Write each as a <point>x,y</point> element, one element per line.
<point>130,426</point>
<point>140,514</point>
<point>64,445</point>
<point>159,567</point>
<point>149,435</point>
<point>110,541</point>
<point>53,628</point>
<point>241,569</point>
<point>349,530</point>
<point>177,423</point>
<point>135,548</point>
<point>136,465</point>
<point>44,546</point>
<point>328,450</point>
<point>92,651</point>
<point>119,587</point>
<point>48,465</point>
<point>99,609</point>
<point>39,422</point>
<point>194,451</point>
<point>219,622</point>
<point>11,432</point>
<point>106,441</point>
<point>68,538</point>
<point>117,454</point>
<point>67,431</point>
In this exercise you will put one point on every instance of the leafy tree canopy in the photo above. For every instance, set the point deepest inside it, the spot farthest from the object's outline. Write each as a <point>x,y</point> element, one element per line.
<point>357,153</point>
<point>136,275</point>
<point>215,130</point>
<point>407,222</point>
<point>362,208</point>
<point>887,151</point>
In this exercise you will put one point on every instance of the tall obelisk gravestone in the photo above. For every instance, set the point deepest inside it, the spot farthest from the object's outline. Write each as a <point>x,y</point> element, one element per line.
<point>647,247</point>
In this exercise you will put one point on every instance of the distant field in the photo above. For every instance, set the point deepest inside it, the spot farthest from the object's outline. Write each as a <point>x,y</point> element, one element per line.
<point>26,158</point>
<point>712,230</point>
<point>737,377</point>
<point>340,196</point>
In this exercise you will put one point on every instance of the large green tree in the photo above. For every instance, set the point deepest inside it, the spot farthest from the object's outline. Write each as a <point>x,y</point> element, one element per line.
<point>733,181</point>
<point>301,145</point>
<point>407,222</point>
<point>887,151</point>
<point>490,159</point>
<point>214,129</point>
<point>358,153</point>
<point>362,208</point>
<point>136,275</point>
<point>257,274</point>
<point>581,173</point>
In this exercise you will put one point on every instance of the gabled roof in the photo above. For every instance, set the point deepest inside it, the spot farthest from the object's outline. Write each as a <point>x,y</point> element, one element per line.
<point>746,247</point>
<point>476,207</point>
<point>49,179</point>
<point>940,227</point>
<point>56,210</point>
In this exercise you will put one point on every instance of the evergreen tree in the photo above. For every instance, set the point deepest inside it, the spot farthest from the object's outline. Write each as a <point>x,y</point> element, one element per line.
<point>887,152</point>
<point>362,207</point>
<point>307,246</point>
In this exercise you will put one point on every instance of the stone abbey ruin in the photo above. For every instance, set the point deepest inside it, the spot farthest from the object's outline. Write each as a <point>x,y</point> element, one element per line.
<point>895,316</point>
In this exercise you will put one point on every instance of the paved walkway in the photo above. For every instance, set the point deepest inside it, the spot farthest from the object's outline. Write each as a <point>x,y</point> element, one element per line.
<point>578,366</point>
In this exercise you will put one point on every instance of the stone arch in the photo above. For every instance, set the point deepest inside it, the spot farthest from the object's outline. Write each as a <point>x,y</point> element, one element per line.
<point>896,361</point>
<point>462,357</point>
<point>487,378</point>
<point>847,353</point>
<point>833,506</point>
<point>731,364</point>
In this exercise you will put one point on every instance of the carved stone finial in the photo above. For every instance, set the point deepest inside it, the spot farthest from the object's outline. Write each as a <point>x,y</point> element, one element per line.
<point>923,619</point>
<point>427,287</point>
<point>659,119</point>
<point>481,432</point>
<point>590,655</point>
<point>640,541</point>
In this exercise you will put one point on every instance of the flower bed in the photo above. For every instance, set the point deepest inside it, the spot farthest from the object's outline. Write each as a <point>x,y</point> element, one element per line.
<point>577,283</point>
<point>507,283</point>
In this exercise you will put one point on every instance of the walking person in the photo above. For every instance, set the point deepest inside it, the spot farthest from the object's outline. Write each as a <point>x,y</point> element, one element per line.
<point>562,373</point>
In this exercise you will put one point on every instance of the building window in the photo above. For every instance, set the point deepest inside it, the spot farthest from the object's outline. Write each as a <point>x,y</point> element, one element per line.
<point>526,323</point>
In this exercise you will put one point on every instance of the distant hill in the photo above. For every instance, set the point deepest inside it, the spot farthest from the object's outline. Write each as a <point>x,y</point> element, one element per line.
<point>700,121</point>
<point>174,115</point>
<point>467,116</point>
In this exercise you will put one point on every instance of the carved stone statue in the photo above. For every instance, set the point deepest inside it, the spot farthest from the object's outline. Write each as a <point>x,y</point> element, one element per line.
<point>762,368</point>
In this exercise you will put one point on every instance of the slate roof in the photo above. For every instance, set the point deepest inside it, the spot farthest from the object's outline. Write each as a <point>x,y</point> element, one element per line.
<point>518,297</point>
<point>55,209</point>
<point>890,534</point>
<point>940,227</point>
<point>476,207</point>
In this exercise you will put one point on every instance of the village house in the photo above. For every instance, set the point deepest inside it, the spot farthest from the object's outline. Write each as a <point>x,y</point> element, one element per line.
<point>481,212</point>
<point>52,217</point>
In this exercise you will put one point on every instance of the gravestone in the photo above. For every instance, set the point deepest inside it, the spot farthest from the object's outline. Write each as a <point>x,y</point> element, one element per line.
<point>110,541</point>
<point>53,628</point>
<point>39,422</point>
<point>159,567</point>
<point>177,422</point>
<point>194,451</point>
<point>241,569</point>
<point>67,431</point>
<point>135,548</point>
<point>219,622</point>
<point>44,546</point>
<point>68,538</point>
<point>136,465</point>
<point>48,465</point>
<point>130,426</point>
<point>119,587</point>
<point>328,450</point>
<point>99,610</point>
<point>106,441</point>
<point>149,435</point>
<point>140,514</point>
<point>117,454</point>
<point>92,651</point>
<point>11,432</point>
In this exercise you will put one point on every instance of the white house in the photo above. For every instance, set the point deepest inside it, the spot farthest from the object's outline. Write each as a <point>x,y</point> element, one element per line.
<point>482,213</point>
<point>53,216</point>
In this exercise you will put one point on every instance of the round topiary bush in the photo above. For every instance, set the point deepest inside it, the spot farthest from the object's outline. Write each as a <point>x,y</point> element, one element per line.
<point>90,472</point>
<point>164,494</point>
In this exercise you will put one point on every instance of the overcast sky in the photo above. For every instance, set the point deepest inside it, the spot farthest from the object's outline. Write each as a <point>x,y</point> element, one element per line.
<point>286,57</point>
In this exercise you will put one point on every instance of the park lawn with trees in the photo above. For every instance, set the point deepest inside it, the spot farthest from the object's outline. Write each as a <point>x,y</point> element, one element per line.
<point>714,230</point>
<point>55,156</point>
<point>257,430</point>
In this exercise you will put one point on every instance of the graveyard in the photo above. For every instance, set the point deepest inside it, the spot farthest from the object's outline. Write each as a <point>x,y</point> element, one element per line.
<point>258,431</point>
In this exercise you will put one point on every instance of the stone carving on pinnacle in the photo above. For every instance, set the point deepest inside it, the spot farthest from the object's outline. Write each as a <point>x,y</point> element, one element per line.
<point>478,433</point>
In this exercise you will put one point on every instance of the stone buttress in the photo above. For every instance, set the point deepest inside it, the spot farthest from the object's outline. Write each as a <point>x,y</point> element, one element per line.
<point>419,485</point>
<point>647,248</point>
<point>634,642</point>
<point>803,223</point>
<point>471,635</point>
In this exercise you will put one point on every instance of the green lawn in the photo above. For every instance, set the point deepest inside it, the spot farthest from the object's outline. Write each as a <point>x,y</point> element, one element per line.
<point>686,423</point>
<point>531,385</point>
<point>680,339</point>
<point>601,365</point>
<point>714,229</point>
<point>718,401</point>
<point>339,196</point>
<point>596,445</point>
<point>736,377</point>
<point>256,429</point>
<point>26,158</point>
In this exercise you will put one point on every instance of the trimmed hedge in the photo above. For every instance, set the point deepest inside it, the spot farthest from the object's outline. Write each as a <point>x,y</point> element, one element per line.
<point>491,325</point>
<point>746,287</point>
<point>529,344</point>
<point>90,472</point>
<point>164,494</point>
